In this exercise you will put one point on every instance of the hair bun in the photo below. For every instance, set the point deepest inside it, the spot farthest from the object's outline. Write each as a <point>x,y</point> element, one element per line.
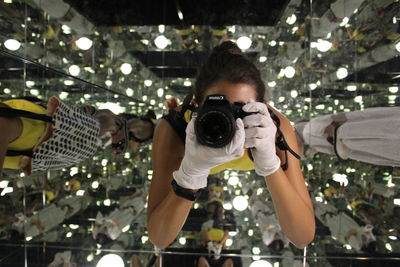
<point>228,63</point>
<point>228,47</point>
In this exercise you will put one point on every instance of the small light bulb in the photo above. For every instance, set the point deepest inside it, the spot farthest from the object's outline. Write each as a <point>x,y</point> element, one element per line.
<point>244,42</point>
<point>161,41</point>
<point>84,43</point>
<point>12,44</point>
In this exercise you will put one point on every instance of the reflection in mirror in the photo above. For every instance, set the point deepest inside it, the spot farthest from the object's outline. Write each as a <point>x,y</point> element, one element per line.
<point>331,68</point>
<point>55,134</point>
<point>70,206</point>
<point>354,105</point>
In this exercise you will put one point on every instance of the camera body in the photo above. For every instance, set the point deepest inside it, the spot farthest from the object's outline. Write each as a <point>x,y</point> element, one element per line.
<point>215,124</point>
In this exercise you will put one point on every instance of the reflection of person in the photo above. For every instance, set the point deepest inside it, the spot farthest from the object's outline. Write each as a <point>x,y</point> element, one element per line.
<point>214,237</point>
<point>345,229</point>
<point>110,227</point>
<point>125,129</point>
<point>62,259</point>
<point>215,192</point>
<point>50,216</point>
<point>270,229</point>
<point>28,141</point>
<point>186,164</point>
<point>371,135</point>
<point>43,221</point>
<point>19,133</point>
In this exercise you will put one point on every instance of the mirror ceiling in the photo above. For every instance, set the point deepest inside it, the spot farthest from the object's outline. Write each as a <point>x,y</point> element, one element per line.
<point>302,48</point>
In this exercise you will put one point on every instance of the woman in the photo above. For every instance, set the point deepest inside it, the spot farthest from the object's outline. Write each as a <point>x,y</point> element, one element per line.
<point>126,130</point>
<point>268,224</point>
<point>214,237</point>
<point>345,229</point>
<point>371,135</point>
<point>72,136</point>
<point>187,163</point>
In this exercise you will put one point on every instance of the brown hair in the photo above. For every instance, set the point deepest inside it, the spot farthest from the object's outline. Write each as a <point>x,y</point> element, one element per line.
<point>228,63</point>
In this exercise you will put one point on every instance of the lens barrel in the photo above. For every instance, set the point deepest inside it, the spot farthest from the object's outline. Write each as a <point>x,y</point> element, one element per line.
<point>215,126</point>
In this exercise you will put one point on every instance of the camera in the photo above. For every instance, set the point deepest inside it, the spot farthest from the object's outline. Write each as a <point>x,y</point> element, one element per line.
<point>215,124</point>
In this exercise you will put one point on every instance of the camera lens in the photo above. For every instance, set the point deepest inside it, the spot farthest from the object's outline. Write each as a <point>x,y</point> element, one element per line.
<point>215,128</point>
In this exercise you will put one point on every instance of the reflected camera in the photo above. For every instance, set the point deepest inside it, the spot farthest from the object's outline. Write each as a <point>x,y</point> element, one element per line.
<point>215,124</point>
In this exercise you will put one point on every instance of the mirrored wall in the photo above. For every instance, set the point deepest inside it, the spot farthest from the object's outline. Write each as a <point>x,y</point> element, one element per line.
<point>331,65</point>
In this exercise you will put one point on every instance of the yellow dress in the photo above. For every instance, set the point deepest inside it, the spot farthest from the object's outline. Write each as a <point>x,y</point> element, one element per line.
<point>215,234</point>
<point>32,130</point>
<point>242,164</point>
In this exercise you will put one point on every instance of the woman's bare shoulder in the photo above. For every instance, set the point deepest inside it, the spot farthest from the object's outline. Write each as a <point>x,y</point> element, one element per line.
<point>164,132</point>
<point>284,121</point>
<point>165,137</point>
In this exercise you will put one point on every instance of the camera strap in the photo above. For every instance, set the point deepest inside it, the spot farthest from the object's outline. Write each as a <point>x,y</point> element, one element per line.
<point>177,118</point>
<point>187,104</point>
<point>281,141</point>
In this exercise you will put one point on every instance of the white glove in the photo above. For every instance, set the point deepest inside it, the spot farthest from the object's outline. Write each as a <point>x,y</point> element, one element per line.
<point>216,248</point>
<point>260,137</point>
<point>199,160</point>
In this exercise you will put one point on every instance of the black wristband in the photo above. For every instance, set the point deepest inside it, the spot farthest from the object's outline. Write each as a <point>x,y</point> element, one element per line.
<point>184,192</point>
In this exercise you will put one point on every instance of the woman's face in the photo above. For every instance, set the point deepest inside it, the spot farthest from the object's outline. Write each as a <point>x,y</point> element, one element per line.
<point>235,92</point>
<point>117,137</point>
<point>139,128</point>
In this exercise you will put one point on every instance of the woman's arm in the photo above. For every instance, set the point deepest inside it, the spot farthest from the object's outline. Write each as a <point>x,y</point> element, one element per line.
<point>166,212</point>
<point>290,195</point>
<point>204,236</point>
<point>223,241</point>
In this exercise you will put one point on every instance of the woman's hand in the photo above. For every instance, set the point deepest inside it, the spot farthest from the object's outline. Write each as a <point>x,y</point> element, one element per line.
<point>260,137</point>
<point>199,160</point>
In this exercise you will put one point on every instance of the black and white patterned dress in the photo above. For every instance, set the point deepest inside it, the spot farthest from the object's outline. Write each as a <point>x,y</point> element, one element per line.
<point>75,138</point>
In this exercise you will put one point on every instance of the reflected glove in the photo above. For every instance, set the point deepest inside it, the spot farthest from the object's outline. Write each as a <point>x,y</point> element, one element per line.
<point>215,249</point>
<point>199,160</point>
<point>260,137</point>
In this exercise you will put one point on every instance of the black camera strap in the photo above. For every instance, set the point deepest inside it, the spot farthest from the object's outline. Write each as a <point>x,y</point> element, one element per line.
<point>177,118</point>
<point>281,141</point>
<point>187,104</point>
<point>335,144</point>
<point>12,113</point>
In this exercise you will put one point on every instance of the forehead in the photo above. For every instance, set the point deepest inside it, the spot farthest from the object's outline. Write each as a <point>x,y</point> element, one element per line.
<point>235,92</point>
